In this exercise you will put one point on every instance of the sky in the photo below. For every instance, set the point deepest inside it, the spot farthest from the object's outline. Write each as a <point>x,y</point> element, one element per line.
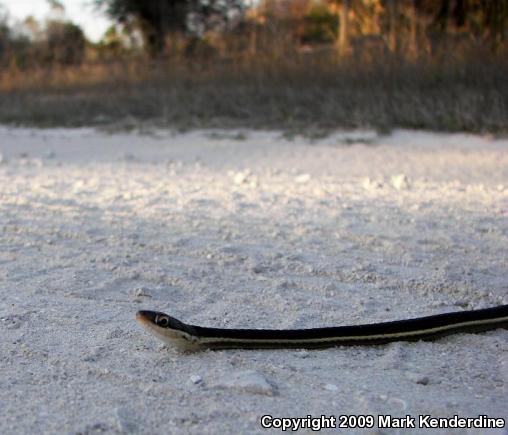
<point>81,12</point>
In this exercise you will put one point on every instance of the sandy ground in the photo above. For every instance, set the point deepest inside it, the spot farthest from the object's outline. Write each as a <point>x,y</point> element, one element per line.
<point>245,229</point>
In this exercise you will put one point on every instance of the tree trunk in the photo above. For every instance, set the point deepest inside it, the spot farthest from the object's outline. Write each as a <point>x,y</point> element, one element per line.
<point>413,38</point>
<point>253,39</point>
<point>392,18</point>
<point>343,40</point>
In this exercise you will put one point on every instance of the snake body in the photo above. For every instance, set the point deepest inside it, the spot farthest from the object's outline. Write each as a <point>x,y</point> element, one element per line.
<point>193,337</point>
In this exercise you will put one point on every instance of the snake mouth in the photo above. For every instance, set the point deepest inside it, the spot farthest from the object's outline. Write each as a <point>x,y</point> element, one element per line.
<point>146,317</point>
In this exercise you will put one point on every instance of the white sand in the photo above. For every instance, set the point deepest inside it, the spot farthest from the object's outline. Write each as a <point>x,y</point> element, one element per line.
<point>247,231</point>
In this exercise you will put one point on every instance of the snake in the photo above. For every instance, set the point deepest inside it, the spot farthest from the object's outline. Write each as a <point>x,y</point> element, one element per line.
<point>192,337</point>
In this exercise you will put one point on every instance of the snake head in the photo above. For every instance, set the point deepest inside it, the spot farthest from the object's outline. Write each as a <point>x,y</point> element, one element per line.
<point>167,328</point>
<point>161,320</point>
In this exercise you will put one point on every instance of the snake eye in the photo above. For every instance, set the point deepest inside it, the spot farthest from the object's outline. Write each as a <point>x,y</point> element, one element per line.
<point>162,321</point>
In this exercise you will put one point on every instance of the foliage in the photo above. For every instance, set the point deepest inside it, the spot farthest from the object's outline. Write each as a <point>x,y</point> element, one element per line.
<point>438,64</point>
<point>272,28</point>
<point>320,25</point>
<point>487,19</point>
<point>65,43</point>
<point>159,18</point>
<point>4,32</point>
<point>31,45</point>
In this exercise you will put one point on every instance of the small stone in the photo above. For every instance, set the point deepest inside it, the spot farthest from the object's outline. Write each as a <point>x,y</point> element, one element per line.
<point>3,160</point>
<point>284,284</point>
<point>94,428</point>
<point>398,402</point>
<point>302,179</point>
<point>258,268</point>
<point>331,387</point>
<point>50,154</point>
<point>331,287</point>
<point>400,181</point>
<point>128,157</point>
<point>196,379</point>
<point>248,381</point>
<point>115,333</point>
<point>369,184</point>
<point>302,354</point>
<point>95,354</point>
<point>140,292</point>
<point>241,177</point>
<point>417,378</point>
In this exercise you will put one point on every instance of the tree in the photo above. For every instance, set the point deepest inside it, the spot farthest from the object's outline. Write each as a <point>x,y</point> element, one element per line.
<point>392,26</point>
<point>65,43</point>
<point>4,37</point>
<point>342,8</point>
<point>156,18</point>
<point>483,19</point>
<point>320,25</point>
<point>160,18</point>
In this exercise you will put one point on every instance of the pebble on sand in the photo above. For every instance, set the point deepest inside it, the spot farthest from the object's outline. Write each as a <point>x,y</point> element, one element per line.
<point>417,378</point>
<point>331,387</point>
<point>400,181</point>
<point>303,178</point>
<point>370,184</point>
<point>248,381</point>
<point>241,177</point>
<point>196,379</point>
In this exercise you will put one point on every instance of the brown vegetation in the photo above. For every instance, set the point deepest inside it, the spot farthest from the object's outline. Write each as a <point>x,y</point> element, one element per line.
<point>290,68</point>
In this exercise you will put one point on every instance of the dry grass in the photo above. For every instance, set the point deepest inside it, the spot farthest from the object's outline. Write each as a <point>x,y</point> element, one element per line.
<point>303,93</point>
